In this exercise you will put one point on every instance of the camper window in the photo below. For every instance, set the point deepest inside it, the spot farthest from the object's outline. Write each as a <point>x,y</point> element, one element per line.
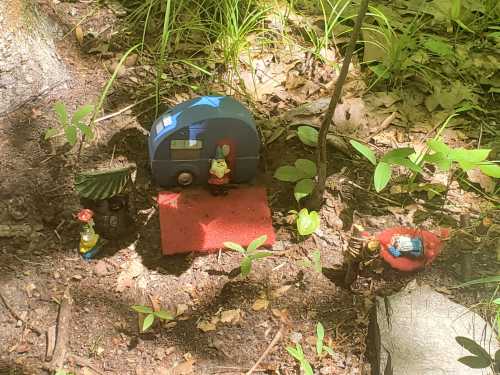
<point>185,149</point>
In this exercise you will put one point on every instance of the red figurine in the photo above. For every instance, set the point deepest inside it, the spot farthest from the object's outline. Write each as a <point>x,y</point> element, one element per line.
<point>219,171</point>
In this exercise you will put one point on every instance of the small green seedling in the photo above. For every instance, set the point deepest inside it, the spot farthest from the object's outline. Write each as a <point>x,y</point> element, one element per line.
<point>383,169</point>
<point>298,354</point>
<point>444,157</point>
<point>64,372</point>
<point>71,128</point>
<point>480,358</point>
<point>497,316</point>
<point>250,254</point>
<point>307,221</point>
<point>308,135</point>
<point>302,172</point>
<point>315,263</point>
<point>151,315</point>
<point>321,348</point>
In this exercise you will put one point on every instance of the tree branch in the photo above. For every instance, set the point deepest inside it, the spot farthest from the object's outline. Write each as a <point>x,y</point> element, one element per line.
<point>322,157</point>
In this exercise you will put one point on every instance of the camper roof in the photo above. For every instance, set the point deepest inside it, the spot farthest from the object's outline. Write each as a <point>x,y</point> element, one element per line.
<point>197,110</point>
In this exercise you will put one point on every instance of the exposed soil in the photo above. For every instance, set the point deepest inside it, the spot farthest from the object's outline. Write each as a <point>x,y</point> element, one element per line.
<point>36,182</point>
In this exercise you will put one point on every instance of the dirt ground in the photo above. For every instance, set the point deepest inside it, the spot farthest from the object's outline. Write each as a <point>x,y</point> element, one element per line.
<point>204,290</point>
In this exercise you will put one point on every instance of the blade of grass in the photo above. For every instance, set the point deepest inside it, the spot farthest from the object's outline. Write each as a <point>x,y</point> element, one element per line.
<point>165,38</point>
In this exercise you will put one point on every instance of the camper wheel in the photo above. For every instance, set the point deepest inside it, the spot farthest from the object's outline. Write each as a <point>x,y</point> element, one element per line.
<point>185,178</point>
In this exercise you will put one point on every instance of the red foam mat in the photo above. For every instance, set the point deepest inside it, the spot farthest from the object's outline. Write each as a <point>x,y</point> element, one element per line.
<point>195,220</point>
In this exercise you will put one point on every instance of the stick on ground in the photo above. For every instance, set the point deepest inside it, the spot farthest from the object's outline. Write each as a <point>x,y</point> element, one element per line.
<point>51,343</point>
<point>63,331</point>
<point>18,317</point>
<point>275,340</point>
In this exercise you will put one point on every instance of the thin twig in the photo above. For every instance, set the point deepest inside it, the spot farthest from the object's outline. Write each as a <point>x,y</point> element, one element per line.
<point>84,362</point>
<point>111,115</point>
<point>112,156</point>
<point>385,124</point>
<point>378,195</point>
<point>223,369</point>
<point>18,317</point>
<point>275,340</point>
<point>28,261</point>
<point>322,156</point>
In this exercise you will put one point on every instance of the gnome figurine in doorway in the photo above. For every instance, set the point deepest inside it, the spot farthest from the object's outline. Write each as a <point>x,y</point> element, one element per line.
<point>219,171</point>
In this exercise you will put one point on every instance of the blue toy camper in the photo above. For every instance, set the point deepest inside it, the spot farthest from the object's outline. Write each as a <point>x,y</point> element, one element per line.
<point>184,139</point>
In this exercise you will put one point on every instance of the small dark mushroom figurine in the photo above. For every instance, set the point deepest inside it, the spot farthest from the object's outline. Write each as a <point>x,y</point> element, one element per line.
<point>109,192</point>
<point>407,246</point>
<point>219,171</point>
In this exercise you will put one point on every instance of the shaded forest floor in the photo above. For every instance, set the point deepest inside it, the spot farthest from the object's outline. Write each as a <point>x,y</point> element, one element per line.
<point>224,322</point>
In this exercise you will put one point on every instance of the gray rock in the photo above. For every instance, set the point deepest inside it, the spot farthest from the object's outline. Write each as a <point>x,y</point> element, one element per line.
<point>414,334</point>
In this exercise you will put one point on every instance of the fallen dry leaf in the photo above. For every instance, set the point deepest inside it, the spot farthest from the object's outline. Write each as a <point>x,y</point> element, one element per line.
<point>444,290</point>
<point>169,324</point>
<point>486,182</point>
<point>184,368</point>
<point>79,34</point>
<point>162,371</point>
<point>260,304</point>
<point>282,315</point>
<point>206,326</point>
<point>311,340</point>
<point>23,348</point>
<point>29,289</point>
<point>35,113</point>
<point>280,291</point>
<point>230,316</point>
<point>155,301</point>
<point>88,371</point>
<point>170,350</point>
<point>181,309</point>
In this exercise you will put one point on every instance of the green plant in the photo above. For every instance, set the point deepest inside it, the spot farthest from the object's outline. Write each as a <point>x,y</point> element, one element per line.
<point>396,59</point>
<point>235,21</point>
<point>383,169</point>
<point>250,254</point>
<point>151,315</point>
<point>480,358</point>
<point>496,302</point>
<point>64,372</point>
<point>307,221</point>
<point>110,81</point>
<point>315,263</point>
<point>493,301</point>
<point>308,135</point>
<point>333,18</point>
<point>302,173</point>
<point>298,354</point>
<point>321,348</point>
<point>71,127</point>
<point>102,184</point>
<point>445,157</point>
